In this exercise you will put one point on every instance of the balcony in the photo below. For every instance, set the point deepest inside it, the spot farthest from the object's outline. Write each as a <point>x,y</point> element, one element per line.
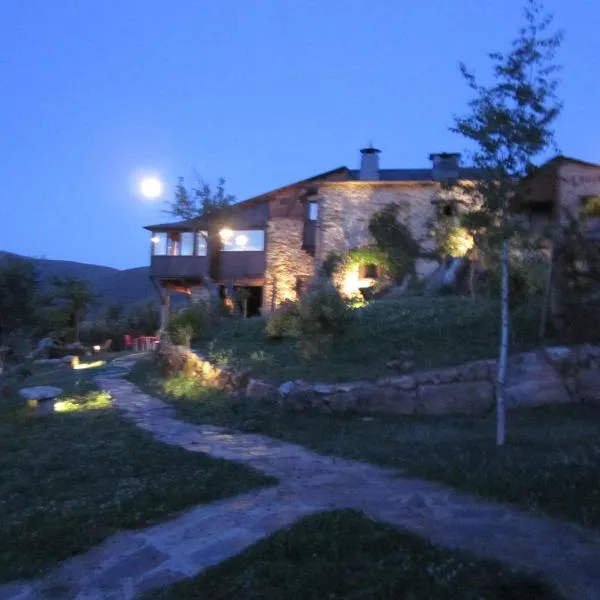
<point>179,267</point>
<point>242,265</point>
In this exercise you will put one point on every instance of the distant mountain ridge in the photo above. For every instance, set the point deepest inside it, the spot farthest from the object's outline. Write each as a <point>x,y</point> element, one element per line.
<point>113,286</point>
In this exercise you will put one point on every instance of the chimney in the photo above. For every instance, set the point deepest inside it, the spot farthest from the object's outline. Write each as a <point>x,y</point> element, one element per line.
<point>369,164</point>
<point>445,165</point>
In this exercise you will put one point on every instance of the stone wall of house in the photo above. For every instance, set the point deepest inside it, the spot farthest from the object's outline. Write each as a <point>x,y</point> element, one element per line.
<point>345,209</point>
<point>287,262</point>
<point>555,375</point>
<point>576,181</point>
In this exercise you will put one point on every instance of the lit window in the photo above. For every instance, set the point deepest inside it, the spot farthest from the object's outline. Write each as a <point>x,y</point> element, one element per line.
<point>313,211</point>
<point>173,244</point>
<point>244,240</point>
<point>368,271</point>
<point>187,243</point>
<point>159,244</point>
<point>201,250</point>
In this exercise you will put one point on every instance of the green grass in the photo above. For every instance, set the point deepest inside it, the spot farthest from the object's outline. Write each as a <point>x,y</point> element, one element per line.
<point>550,464</point>
<point>70,480</point>
<point>441,331</point>
<point>346,555</point>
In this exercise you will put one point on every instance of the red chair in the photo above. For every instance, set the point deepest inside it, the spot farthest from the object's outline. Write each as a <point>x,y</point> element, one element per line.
<point>128,341</point>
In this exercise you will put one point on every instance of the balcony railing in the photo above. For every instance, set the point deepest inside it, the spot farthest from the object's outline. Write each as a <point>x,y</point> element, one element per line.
<point>173,267</point>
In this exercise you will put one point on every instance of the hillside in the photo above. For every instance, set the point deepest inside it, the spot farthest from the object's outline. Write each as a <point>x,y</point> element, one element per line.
<point>113,286</point>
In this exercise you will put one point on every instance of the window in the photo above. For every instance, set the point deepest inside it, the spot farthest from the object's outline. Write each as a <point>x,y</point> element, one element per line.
<point>243,240</point>
<point>173,244</point>
<point>201,241</point>
<point>187,243</point>
<point>448,210</point>
<point>368,271</point>
<point>313,211</point>
<point>159,243</point>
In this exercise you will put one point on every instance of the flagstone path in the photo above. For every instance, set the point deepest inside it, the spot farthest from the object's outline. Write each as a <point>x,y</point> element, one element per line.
<point>130,562</point>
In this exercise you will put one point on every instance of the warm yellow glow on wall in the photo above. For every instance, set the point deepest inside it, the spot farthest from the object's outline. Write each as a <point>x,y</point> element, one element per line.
<point>352,283</point>
<point>462,242</point>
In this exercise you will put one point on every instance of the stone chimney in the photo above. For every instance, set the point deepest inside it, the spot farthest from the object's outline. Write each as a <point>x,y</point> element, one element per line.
<point>369,164</point>
<point>445,165</point>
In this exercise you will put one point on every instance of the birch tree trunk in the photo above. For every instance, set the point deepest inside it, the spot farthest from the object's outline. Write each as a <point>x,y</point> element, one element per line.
<point>503,359</point>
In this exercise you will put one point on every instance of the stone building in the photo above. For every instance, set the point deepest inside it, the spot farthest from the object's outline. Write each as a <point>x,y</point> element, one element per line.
<point>272,244</point>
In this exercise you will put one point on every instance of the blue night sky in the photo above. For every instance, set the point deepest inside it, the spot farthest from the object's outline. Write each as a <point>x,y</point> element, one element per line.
<point>95,93</point>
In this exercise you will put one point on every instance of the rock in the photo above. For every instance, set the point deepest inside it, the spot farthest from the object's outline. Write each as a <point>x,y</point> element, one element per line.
<point>475,371</point>
<point>448,375</point>
<point>400,364</point>
<point>40,392</point>
<point>456,398</point>
<point>386,400</point>
<point>402,382</point>
<point>560,357</point>
<point>257,388</point>
<point>587,384</point>
<point>396,364</point>
<point>532,381</point>
<point>286,388</point>
<point>322,388</point>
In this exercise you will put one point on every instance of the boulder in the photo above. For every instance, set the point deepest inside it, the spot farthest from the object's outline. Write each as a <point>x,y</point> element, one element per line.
<point>468,397</point>
<point>386,400</point>
<point>560,357</point>
<point>257,388</point>
<point>587,385</point>
<point>532,381</point>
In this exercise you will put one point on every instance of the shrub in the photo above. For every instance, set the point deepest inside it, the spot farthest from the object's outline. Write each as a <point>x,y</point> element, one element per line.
<point>284,322</point>
<point>181,334</point>
<point>189,323</point>
<point>322,317</point>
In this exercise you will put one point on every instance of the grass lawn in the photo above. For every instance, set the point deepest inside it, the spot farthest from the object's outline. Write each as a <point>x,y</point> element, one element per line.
<point>71,479</point>
<point>346,555</point>
<point>441,331</point>
<point>550,464</point>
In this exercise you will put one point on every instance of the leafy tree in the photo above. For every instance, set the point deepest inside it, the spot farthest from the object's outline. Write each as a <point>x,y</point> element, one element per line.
<point>510,123</point>
<point>199,199</point>
<point>114,313</point>
<point>73,297</point>
<point>18,297</point>
<point>143,319</point>
<point>395,240</point>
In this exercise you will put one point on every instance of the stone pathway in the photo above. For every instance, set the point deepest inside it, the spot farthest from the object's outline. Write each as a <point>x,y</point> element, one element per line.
<point>128,563</point>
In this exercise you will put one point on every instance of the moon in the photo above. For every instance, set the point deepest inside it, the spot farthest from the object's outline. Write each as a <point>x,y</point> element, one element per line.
<point>151,187</point>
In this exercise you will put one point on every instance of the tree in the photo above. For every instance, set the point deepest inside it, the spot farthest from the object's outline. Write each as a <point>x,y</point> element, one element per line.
<point>74,297</point>
<point>18,297</point>
<point>510,122</point>
<point>198,200</point>
<point>394,239</point>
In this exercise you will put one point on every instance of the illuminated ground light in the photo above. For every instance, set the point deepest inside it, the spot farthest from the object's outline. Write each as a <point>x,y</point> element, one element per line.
<point>96,348</point>
<point>92,401</point>
<point>352,283</point>
<point>90,365</point>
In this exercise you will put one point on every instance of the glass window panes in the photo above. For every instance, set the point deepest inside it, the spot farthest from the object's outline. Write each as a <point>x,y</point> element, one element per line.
<point>159,244</point>
<point>245,240</point>
<point>313,211</point>
<point>187,243</point>
<point>201,235</point>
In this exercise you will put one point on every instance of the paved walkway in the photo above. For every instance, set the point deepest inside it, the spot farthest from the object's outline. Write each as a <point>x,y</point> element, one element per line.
<point>128,563</point>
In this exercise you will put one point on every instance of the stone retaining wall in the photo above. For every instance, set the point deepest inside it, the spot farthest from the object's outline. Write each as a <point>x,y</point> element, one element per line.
<point>554,375</point>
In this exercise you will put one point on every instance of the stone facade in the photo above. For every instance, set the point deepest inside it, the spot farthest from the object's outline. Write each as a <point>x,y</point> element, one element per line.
<point>287,262</point>
<point>346,207</point>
